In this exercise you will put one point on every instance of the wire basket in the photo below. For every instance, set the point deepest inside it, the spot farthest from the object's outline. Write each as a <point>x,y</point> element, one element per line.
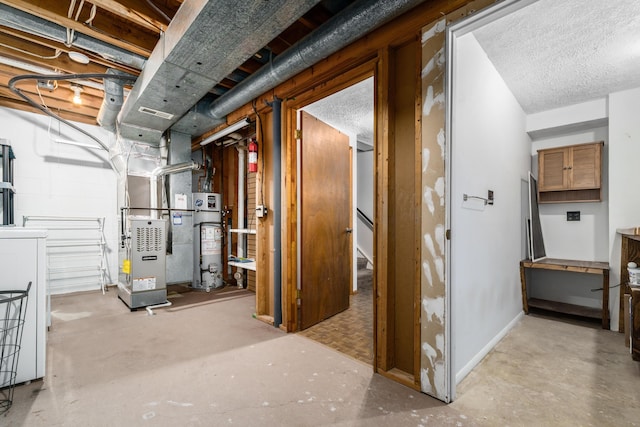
<point>13,308</point>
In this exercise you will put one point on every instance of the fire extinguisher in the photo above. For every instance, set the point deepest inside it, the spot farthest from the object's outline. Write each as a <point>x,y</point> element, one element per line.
<point>253,155</point>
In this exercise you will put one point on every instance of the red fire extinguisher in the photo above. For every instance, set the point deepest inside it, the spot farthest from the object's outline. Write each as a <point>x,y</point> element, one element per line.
<point>253,155</point>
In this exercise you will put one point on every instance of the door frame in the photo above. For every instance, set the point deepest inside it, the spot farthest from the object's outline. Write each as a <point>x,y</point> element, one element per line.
<point>291,253</point>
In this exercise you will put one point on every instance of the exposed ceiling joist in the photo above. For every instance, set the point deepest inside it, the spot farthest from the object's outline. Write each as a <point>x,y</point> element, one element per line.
<point>105,26</point>
<point>141,14</point>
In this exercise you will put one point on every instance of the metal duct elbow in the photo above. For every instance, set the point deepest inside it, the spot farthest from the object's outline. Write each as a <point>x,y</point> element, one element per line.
<point>161,171</point>
<point>112,101</point>
<point>171,169</point>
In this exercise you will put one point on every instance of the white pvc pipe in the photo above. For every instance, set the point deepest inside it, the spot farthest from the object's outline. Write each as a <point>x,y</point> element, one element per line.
<point>240,225</point>
<point>241,236</point>
<point>151,307</point>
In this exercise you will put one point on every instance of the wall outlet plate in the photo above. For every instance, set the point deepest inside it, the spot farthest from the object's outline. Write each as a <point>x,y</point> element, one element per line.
<point>261,211</point>
<point>573,215</point>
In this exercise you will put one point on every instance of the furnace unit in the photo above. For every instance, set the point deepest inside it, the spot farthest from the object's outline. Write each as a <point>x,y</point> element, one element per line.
<point>207,241</point>
<point>144,278</point>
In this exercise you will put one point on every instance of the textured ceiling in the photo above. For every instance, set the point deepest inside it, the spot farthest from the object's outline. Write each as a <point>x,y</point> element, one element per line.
<point>350,110</point>
<point>555,53</point>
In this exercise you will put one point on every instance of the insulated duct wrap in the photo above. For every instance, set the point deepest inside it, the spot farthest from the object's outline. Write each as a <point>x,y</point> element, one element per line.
<point>343,29</point>
<point>112,101</point>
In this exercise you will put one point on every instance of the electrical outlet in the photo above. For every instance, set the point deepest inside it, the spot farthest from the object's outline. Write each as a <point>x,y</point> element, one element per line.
<point>261,211</point>
<point>573,215</point>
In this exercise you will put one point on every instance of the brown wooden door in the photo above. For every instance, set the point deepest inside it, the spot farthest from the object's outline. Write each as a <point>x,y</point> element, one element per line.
<point>325,221</point>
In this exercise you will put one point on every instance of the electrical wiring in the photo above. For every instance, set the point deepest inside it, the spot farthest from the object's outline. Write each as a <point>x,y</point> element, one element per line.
<point>57,77</point>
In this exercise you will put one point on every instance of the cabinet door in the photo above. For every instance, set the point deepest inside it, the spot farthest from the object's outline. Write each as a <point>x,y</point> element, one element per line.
<point>585,166</point>
<point>552,169</point>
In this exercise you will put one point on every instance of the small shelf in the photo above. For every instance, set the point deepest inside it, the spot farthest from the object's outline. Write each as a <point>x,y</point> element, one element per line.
<point>242,231</point>
<point>248,265</point>
<point>561,307</point>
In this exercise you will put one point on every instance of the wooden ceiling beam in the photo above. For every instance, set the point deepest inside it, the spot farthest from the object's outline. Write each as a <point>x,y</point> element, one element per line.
<point>67,115</point>
<point>62,63</point>
<point>105,26</point>
<point>55,104</point>
<point>62,47</point>
<point>141,14</point>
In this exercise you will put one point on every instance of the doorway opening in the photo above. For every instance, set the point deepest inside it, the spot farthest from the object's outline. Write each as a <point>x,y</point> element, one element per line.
<point>349,114</point>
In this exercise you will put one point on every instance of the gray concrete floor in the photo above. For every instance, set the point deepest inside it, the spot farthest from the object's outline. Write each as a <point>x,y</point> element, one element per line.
<point>206,362</point>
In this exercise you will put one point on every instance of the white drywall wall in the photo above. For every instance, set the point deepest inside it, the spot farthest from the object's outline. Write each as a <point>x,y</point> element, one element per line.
<point>54,179</point>
<point>624,177</point>
<point>568,117</point>
<point>587,239</point>
<point>365,201</point>
<point>490,151</point>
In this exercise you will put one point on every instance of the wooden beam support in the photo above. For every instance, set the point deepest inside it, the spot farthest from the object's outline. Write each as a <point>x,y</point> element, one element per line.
<point>141,14</point>
<point>104,25</point>
<point>62,63</point>
<point>67,115</point>
<point>63,48</point>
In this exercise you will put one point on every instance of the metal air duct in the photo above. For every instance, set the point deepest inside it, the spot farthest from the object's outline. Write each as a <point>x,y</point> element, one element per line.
<point>112,101</point>
<point>353,22</point>
<point>204,43</point>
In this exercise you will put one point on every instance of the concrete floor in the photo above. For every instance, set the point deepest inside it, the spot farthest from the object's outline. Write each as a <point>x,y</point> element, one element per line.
<point>209,363</point>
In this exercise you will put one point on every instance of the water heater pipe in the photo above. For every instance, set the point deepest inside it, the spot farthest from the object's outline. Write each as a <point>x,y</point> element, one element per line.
<point>241,171</point>
<point>161,171</point>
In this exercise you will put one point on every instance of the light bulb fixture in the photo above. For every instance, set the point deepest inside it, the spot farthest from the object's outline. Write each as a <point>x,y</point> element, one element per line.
<point>77,90</point>
<point>78,57</point>
<point>226,131</point>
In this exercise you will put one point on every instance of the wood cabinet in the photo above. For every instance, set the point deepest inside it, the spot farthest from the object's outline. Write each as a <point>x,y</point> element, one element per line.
<point>630,251</point>
<point>634,332</point>
<point>570,174</point>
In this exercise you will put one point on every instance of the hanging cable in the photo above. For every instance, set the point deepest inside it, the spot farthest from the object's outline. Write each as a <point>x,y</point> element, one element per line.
<point>26,52</point>
<point>44,105</point>
<point>158,10</point>
<point>56,77</point>
<point>92,15</point>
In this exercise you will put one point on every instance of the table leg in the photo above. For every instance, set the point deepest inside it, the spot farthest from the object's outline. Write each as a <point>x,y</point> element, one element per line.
<point>605,300</point>
<point>523,283</point>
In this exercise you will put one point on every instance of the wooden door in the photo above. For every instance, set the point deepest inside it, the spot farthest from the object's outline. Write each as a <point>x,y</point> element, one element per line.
<point>325,193</point>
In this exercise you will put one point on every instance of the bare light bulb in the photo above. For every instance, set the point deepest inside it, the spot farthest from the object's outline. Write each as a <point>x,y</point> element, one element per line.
<point>77,90</point>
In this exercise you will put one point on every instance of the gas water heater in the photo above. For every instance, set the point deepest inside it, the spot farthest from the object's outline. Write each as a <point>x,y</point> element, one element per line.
<point>207,241</point>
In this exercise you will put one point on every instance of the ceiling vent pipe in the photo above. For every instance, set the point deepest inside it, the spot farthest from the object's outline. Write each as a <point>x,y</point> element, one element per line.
<point>352,23</point>
<point>112,101</point>
<point>19,20</point>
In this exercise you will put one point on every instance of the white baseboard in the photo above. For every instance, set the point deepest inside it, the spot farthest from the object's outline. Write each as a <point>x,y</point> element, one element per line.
<point>486,349</point>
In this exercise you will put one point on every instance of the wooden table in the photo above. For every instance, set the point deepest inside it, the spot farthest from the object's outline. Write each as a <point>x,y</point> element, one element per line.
<point>589,267</point>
